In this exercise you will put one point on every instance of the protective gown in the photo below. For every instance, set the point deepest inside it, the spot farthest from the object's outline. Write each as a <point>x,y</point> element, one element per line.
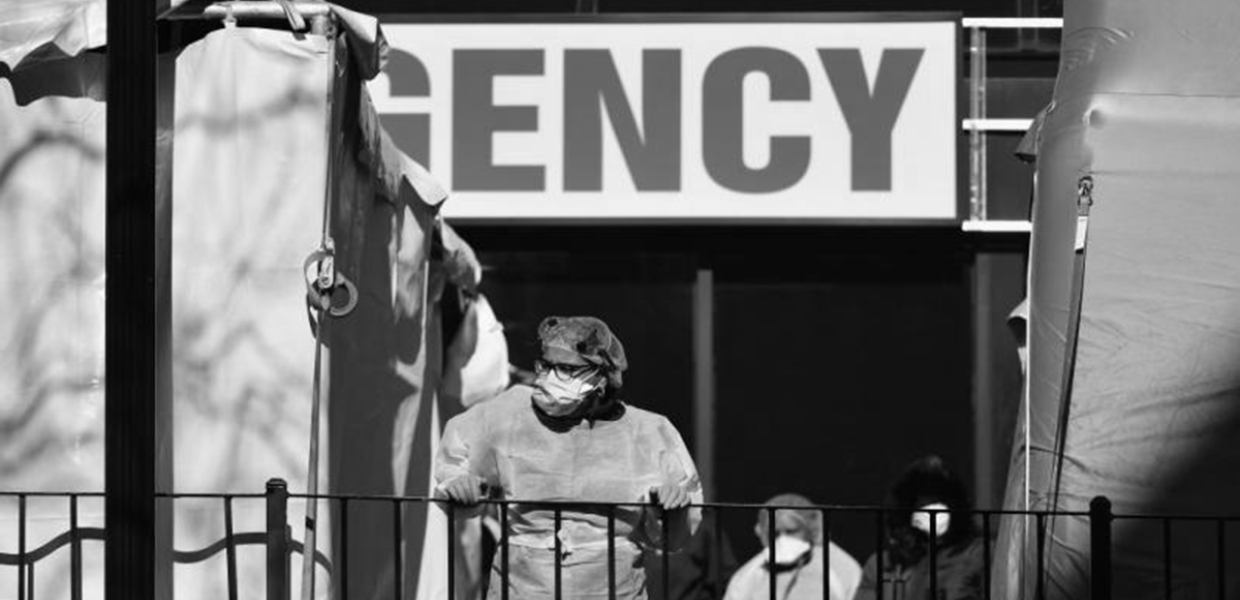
<point>529,457</point>
<point>803,582</point>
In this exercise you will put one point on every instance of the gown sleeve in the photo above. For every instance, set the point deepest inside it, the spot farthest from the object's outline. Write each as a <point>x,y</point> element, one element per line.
<point>675,466</point>
<point>463,449</point>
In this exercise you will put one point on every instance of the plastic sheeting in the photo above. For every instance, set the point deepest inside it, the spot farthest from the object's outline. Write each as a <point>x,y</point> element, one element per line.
<point>51,266</point>
<point>36,31</point>
<point>1148,105</point>
<point>251,145</point>
<point>255,135</point>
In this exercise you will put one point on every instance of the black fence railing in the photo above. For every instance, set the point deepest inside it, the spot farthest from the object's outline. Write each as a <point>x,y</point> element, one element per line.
<point>280,545</point>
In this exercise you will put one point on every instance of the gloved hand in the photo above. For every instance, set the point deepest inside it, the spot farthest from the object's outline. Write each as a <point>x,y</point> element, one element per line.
<point>670,496</point>
<point>465,489</point>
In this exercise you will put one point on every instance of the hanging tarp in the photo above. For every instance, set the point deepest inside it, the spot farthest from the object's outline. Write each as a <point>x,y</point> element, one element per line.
<point>35,32</point>
<point>256,169</point>
<point>1142,404</point>
<point>52,266</point>
<point>250,152</point>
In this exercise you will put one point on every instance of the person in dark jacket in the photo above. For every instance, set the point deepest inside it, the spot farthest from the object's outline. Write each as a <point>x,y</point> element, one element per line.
<point>927,497</point>
<point>700,572</point>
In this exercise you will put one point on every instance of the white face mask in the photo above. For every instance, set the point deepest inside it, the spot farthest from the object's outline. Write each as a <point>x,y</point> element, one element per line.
<point>921,520</point>
<point>789,549</point>
<point>562,395</point>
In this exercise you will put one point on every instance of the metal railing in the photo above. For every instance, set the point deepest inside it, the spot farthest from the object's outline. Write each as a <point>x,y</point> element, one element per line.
<point>280,544</point>
<point>26,559</point>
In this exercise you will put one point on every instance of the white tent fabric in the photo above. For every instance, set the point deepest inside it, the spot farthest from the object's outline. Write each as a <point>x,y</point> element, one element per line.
<point>1144,121</point>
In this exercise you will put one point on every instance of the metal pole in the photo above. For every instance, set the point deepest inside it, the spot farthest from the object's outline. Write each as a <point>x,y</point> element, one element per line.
<point>130,350</point>
<point>984,390</point>
<point>704,379</point>
<point>321,25</point>
<point>977,110</point>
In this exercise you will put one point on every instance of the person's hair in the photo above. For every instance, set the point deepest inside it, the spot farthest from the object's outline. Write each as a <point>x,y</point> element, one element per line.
<point>610,395</point>
<point>926,480</point>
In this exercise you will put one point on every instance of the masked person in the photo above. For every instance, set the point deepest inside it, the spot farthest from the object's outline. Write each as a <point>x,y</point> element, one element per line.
<point>801,555</point>
<point>926,487</point>
<point>570,437</point>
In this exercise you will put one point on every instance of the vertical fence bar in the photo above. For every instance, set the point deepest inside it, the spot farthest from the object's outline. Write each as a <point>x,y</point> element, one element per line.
<point>771,534</point>
<point>344,549</point>
<point>878,554</point>
<point>21,547</point>
<point>825,514</point>
<point>484,570</point>
<point>559,590</point>
<point>231,548</point>
<point>30,581</point>
<point>1166,544</point>
<point>451,549</point>
<point>398,559</point>
<point>665,522</point>
<point>1040,589</point>
<point>75,551</point>
<point>1099,548</point>
<point>716,567</point>
<point>986,555</point>
<point>611,553</point>
<point>934,548</point>
<point>277,540</point>
<point>1221,545</point>
<point>503,550</point>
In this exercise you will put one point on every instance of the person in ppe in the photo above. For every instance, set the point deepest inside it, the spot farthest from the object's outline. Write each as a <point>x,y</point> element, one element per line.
<point>928,497</point>
<point>801,555</point>
<point>567,438</point>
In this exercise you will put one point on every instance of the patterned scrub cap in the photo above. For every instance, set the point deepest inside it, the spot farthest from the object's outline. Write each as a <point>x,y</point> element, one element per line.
<point>583,340</point>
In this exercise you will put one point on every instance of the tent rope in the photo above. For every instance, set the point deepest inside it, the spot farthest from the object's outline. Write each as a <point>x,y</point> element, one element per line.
<point>320,293</point>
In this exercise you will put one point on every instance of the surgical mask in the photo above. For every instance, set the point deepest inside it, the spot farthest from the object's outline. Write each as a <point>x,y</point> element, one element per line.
<point>789,549</point>
<point>921,519</point>
<point>562,395</point>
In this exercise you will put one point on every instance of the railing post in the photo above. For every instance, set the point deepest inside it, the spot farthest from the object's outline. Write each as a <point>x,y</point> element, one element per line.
<point>277,540</point>
<point>1100,548</point>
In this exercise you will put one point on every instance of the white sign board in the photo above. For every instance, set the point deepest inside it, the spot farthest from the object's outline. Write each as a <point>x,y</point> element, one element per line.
<point>673,120</point>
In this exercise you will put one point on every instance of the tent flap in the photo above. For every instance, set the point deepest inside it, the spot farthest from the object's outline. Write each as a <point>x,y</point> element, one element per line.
<point>1147,105</point>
